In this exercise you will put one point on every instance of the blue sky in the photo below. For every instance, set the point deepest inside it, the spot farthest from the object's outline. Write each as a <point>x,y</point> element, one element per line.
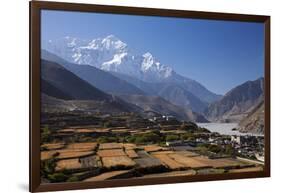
<point>218,54</point>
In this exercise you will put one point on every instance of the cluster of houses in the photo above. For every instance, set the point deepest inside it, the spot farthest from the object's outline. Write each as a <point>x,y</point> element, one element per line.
<point>247,146</point>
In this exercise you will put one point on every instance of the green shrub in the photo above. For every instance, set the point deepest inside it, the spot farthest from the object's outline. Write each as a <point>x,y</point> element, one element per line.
<point>57,177</point>
<point>130,139</point>
<point>229,150</point>
<point>188,136</point>
<point>172,137</point>
<point>152,137</point>
<point>45,134</point>
<point>214,148</point>
<point>105,139</point>
<point>48,166</point>
<point>146,138</point>
<point>73,179</point>
<point>202,149</point>
<point>140,139</point>
<point>107,124</point>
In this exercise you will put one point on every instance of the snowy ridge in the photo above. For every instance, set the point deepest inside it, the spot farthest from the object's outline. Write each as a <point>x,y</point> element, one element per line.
<point>110,54</point>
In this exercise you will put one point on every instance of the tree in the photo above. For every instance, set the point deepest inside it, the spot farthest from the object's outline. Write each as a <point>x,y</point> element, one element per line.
<point>214,148</point>
<point>130,139</point>
<point>48,167</point>
<point>229,150</point>
<point>45,134</point>
<point>172,137</point>
<point>73,179</point>
<point>57,177</point>
<point>107,124</point>
<point>153,137</point>
<point>188,136</point>
<point>105,139</point>
<point>202,149</point>
<point>147,137</point>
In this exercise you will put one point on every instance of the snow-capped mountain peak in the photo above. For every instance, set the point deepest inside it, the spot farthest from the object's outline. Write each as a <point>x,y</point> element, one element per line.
<point>108,43</point>
<point>148,61</point>
<point>110,54</point>
<point>112,40</point>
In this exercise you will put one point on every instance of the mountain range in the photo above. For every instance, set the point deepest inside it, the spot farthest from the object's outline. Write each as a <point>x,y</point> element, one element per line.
<point>62,90</point>
<point>113,55</point>
<point>105,73</point>
<point>109,54</point>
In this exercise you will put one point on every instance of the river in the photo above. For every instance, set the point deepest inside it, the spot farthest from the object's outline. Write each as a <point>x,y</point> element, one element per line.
<point>224,128</point>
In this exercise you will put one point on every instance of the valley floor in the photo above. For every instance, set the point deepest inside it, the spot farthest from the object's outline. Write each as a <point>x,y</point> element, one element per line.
<point>141,148</point>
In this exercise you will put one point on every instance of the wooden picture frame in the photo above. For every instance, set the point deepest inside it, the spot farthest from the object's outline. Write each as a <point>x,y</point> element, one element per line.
<point>35,54</point>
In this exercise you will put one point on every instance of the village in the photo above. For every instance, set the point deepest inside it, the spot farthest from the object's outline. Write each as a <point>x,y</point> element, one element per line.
<point>130,146</point>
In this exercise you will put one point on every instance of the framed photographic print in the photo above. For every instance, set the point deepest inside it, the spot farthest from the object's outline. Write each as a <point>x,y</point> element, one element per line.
<point>123,96</point>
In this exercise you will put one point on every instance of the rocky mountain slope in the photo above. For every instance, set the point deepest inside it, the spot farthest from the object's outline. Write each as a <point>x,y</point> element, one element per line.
<point>69,83</point>
<point>175,93</point>
<point>237,103</point>
<point>181,97</point>
<point>51,90</point>
<point>254,122</point>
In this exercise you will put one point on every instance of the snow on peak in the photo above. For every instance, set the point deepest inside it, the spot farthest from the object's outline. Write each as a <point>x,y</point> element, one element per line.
<point>111,40</point>
<point>147,55</point>
<point>108,43</point>
<point>148,61</point>
<point>110,54</point>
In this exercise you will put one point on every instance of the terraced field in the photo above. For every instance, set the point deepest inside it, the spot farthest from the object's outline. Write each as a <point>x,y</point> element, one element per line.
<point>126,160</point>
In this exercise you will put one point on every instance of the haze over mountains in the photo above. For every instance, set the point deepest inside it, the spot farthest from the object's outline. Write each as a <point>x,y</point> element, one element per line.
<point>116,73</point>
